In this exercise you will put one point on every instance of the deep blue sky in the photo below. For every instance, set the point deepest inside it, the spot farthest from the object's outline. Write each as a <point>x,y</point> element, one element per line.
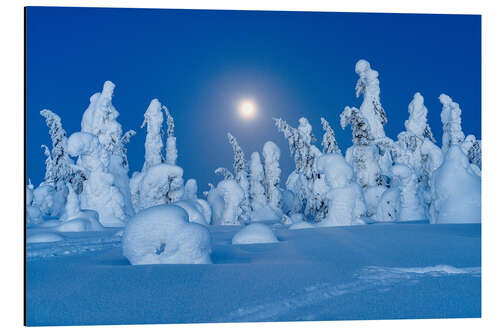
<point>201,63</point>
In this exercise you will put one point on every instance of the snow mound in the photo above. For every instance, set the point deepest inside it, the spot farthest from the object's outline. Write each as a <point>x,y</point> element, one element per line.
<point>163,235</point>
<point>85,221</point>
<point>194,210</point>
<point>255,233</point>
<point>44,237</point>
<point>301,225</point>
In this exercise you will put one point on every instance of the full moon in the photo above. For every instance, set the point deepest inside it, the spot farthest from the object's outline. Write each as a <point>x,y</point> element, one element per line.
<point>247,109</point>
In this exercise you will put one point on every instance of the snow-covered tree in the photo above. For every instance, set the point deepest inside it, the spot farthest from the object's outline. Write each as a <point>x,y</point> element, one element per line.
<point>58,168</point>
<point>301,180</point>
<point>257,191</point>
<point>371,109</point>
<point>345,198</point>
<point>100,119</point>
<point>241,176</point>
<point>329,142</point>
<point>153,146</point>
<point>451,117</point>
<point>171,146</point>
<point>271,154</point>
<point>362,156</point>
<point>99,192</point>
<point>415,148</point>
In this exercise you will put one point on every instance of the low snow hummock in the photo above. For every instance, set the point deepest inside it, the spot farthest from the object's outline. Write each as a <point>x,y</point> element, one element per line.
<point>255,233</point>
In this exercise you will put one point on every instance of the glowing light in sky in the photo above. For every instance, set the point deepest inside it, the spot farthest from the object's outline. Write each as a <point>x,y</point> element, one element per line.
<point>247,109</point>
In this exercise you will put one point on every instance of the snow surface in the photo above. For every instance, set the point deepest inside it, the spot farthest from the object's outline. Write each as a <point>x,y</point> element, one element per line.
<point>376,271</point>
<point>255,233</point>
<point>163,235</point>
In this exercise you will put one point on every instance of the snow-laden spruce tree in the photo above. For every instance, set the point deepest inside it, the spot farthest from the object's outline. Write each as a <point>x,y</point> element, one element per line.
<point>153,146</point>
<point>241,176</point>
<point>451,117</point>
<point>99,192</point>
<point>59,170</point>
<point>345,198</point>
<point>271,154</point>
<point>99,119</point>
<point>171,146</point>
<point>416,147</point>
<point>257,192</point>
<point>362,155</point>
<point>371,109</point>
<point>301,180</point>
<point>329,142</point>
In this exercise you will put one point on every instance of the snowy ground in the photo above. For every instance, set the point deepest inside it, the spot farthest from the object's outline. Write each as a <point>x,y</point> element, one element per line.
<point>377,271</point>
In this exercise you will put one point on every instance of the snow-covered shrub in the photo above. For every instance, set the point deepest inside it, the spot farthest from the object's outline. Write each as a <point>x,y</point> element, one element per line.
<point>345,199</point>
<point>153,146</point>
<point>389,204</point>
<point>163,235</point>
<point>49,199</point>
<point>456,190</point>
<point>160,184</point>
<point>99,192</point>
<point>194,210</point>
<point>76,220</point>
<point>217,205</point>
<point>411,205</point>
<point>255,233</point>
<point>472,148</point>
<point>232,195</point>
<point>190,189</point>
<point>33,213</point>
<point>372,195</point>
<point>451,117</point>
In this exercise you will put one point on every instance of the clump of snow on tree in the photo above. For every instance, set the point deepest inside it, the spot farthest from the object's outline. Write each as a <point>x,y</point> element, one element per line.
<point>254,233</point>
<point>232,195</point>
<point>153,146</point>
<point>451,117</point>
<point>163,235</point>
